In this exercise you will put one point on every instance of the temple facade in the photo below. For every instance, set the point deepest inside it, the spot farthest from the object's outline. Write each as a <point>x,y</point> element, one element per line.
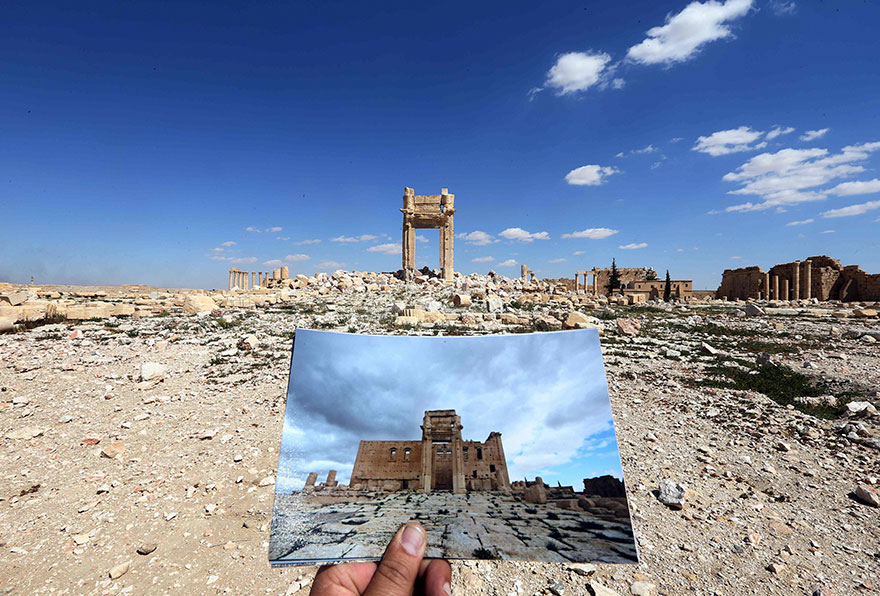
<point>441,461</point>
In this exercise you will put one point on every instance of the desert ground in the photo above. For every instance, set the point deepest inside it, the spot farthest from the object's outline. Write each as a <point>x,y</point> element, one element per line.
<point>140,428</point>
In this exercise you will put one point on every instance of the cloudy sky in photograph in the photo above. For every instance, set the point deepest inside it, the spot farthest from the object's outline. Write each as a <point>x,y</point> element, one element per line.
<point>546,393</point>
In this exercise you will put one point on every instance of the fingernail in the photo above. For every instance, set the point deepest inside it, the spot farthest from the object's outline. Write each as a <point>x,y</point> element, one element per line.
<point>447,588</point>
<point>412,540</point>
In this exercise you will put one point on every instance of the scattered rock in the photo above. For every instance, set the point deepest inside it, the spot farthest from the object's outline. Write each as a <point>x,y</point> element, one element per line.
<point>152,371</point>
<point>868,495</point>
<point>120,570</point>
<point>672,493</point>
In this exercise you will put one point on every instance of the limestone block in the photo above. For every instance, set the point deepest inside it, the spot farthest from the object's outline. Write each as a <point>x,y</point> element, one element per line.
<point>6,323</point>
<point>494,304</point>
<point>462,300</point>
<point>536,494</point>
<point>14,298</point>
<point>196,303</point>
<point>122,310</point>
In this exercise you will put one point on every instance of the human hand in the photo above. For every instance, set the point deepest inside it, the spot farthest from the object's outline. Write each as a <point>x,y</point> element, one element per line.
<point>402,571</point>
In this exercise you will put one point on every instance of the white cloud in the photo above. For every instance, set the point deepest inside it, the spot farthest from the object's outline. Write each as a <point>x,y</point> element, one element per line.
<point>328,265</point>
<point>729,141</point>
<point>828,231</point>
<point>633,246</point>
<point>273,263</point>
<point>252,229</point>
<point>218,249</point>
<point>274,229</point>
<point>421,238</point>
<point>859,187</point>
<point>508,263</point>
<point>589,175</point>
<point>648,149</point>
<point>681,37</point>
<point>235,260</point>
<point>308,241</point>
<point>656,164</point>
<point>361,238</point>
<point>736,257</point>
<point>483,259</point>
<point>783,8</point>
<point>617,83</point>
<point>282,237</point>
<point>592,233</point>
<point>578,253</point>
<point>522,235</point>
<point>620,154</point>
<point>296,257</point>
<point>812,135</point>
<point>229,243</point>
<point>853,209</point>
<point>801,222</point>
<point>559,260</point>
<point>576,71</point>
<point>386,249</point>
<point>778,131</point>
<point>477,238</point>
<point>792,176</point>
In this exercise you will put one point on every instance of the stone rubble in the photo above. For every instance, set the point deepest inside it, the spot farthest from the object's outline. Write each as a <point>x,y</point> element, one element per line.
<point>102,462</point>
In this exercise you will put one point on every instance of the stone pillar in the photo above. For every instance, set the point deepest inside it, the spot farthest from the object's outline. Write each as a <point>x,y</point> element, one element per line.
<point>785,294</point>
<point>276,274</point>
<point>231,274</point>
<point>427,465</point>
<point>253,279</point>
<point>766,286</point>
<point>808,280</point>
<point>458,482</point>
<point>331,478</point>
<point>796,281</point>
<point>285,272</point>
<point>313,477</point>
<point>595,284</point>
<point>522,275</point>
<point>447,205</point>
<point>776,287</point>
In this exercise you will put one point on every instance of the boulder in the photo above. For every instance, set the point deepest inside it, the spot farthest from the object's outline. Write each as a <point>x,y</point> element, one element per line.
<point>197,303</point>
<point>462,300</point>
<point>672,493</point>
<point>152,371</point>
<point>630,327</point>
<point>753,310</point>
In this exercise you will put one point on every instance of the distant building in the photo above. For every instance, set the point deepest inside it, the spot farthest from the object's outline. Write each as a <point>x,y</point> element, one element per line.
<point>442,460</point>
<point>822,277</point>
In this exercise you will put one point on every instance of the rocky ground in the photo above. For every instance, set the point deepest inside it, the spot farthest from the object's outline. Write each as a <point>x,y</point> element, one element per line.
<point>482,525</point>
<point>138,446</point>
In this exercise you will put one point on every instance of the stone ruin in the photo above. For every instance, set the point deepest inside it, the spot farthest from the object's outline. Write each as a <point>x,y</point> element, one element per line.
<point>821,277</point>
<point>243,280</point>
<point>638,284</point>
<point>428,212</point>
<point>441,461</point>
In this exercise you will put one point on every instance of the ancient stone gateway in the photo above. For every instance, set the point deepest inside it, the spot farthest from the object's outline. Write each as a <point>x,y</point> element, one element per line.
<point>428,212</point>
<point>442,460</point>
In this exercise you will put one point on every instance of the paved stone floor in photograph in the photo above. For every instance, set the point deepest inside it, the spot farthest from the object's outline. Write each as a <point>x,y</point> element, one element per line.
<point>474,525</point>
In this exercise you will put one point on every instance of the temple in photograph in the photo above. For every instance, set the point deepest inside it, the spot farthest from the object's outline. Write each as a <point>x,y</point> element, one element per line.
<point>441,461</point>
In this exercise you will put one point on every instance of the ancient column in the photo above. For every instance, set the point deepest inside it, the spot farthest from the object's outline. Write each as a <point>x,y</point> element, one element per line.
<point>253,279</point>
<point>458,483</point>
<point>776,287</point>
<point>313,477</point>
<point>522,275</point>
<point>276,274</point>
<point>796,281</point>
<point>285,272</point>
<point>230,279</point>
<point>785,294</point>
<point>331,478</point>
<point>595,284</point>
<point>766,286</point>
<point>808,279</point>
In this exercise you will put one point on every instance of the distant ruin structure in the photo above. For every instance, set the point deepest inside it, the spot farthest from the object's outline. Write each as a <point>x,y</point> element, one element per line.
<point>821,277</point>
<point>639,283</point>
<point>441,461</point>
<point>428,212</point>
<point>244,280</point>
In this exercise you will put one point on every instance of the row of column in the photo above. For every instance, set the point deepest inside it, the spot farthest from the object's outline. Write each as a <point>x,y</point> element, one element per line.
<point>801,285</point>
<point>586,275</point>
<point>243,280</point>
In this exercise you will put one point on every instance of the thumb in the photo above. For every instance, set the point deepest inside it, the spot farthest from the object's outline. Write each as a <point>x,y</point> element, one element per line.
<point>397,571</point>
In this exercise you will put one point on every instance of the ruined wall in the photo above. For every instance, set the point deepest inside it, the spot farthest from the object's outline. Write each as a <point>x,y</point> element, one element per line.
<point>742,283</point>
<point>485,467</point>
<point>828,280</point>
<point>376,465</point>
<point>656,287</point>
<point>627,275</point>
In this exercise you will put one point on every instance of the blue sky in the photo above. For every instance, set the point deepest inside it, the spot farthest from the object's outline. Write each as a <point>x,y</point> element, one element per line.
<point>544,392</point>
<point>140,141</point>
